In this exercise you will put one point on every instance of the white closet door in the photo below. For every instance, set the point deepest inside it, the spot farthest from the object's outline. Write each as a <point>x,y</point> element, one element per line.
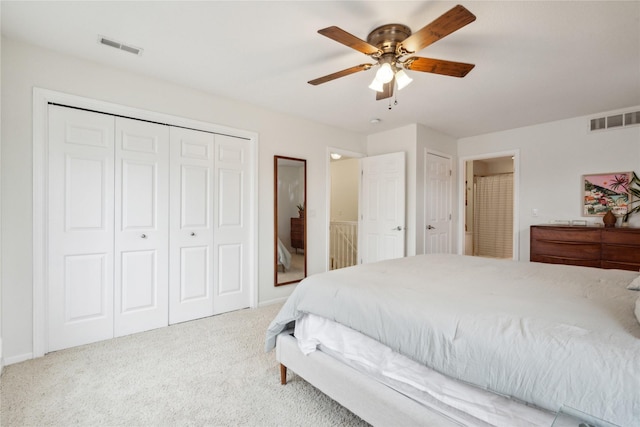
<point>80,227</point>
<point>232,231</point>
<point>141,226</point>
<point>191,258</point>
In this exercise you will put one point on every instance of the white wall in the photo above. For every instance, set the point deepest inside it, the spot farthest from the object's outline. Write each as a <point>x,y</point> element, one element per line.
<point>553,157</point>
<point>25,67</point>
<point>344,189</point>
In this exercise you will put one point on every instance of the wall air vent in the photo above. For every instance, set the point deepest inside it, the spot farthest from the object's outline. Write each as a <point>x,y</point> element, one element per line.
<point>127,48</point>
<point>615,121</point>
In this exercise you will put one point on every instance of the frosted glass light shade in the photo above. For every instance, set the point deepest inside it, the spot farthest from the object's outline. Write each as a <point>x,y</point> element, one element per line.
<point>376,85</point>
<point>402,79</point>
<point>385,73</point>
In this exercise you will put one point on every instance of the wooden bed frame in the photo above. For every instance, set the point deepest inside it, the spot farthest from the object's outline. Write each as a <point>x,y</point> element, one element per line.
<point>369,399</point>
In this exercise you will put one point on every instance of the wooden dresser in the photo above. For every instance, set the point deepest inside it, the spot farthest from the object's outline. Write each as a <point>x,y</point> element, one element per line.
<point>586,246</point>
<point>297,233</point>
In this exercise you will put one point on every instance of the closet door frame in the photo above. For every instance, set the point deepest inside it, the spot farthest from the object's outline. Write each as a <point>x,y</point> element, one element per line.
<point>41,99</point>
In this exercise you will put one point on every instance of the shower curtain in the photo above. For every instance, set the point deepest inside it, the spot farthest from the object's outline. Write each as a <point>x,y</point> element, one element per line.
<point>493,216</point>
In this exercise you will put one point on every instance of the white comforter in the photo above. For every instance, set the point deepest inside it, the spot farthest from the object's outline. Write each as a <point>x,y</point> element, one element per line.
<point>550,335</point>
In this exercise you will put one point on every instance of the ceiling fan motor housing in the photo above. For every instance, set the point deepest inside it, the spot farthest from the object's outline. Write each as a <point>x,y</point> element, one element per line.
<point>387,37</point>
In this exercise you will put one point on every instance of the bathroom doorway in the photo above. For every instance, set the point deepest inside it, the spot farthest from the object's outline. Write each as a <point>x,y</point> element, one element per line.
<point>489,217</point>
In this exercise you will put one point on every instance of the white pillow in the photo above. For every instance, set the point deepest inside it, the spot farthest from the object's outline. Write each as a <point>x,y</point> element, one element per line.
<point>635,285</point>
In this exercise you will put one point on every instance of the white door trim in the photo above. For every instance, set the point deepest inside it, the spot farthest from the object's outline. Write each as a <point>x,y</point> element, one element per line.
<point>515,154</point>
<point>41,98</point>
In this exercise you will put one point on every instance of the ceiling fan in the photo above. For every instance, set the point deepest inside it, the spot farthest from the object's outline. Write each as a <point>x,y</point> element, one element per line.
<point>389,44</point>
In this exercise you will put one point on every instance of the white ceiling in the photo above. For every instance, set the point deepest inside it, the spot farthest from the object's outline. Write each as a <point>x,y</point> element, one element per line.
<point>536,61</point>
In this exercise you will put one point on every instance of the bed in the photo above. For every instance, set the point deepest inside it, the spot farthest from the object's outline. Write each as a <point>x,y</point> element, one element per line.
<point>456,340</point>
<point>284,256</point>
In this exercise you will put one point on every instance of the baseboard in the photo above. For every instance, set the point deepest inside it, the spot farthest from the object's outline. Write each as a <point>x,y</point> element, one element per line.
<point>272,301</point>
<point>17,359</point>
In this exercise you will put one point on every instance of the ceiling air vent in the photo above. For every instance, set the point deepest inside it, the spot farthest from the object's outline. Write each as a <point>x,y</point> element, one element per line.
<point>615,121</point>
<point>127,48</point>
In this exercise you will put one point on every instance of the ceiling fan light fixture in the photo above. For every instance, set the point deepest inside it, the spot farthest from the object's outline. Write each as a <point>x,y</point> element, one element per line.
<point>376,85</point>
<point>402,79</point>
<point>385,73</point>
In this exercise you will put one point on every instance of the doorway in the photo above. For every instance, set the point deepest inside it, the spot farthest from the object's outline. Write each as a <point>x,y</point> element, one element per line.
<point>489,204</point>
<point>343,206</point>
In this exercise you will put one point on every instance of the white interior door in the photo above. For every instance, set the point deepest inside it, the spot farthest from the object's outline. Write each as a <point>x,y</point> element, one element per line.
<point>383,207</point>
<point>80,227</point>
<point>232,230</point>
<point>191,258</point>
<point>438,204</point>
<point>141,226</point>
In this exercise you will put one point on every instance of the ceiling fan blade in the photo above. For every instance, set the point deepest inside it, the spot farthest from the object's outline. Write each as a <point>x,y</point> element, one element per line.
<point>387,90</point>
<point>347,39</point>
<point>338,74</point>
<point>438,66</point>
<point>446,24</point>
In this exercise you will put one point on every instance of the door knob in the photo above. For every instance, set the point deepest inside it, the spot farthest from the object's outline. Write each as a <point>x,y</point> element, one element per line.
<point>193,234</point>
<point>430,227</point>
<point>144,236</point>
<point>398,228</point>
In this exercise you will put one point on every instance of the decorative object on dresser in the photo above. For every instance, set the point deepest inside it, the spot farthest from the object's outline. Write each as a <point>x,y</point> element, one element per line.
<point>586,246</point>
<point>609,219</point>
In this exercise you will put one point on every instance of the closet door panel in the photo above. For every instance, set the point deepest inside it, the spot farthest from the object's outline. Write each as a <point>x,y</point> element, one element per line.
<point>80,202</point>
<point>191,230</point>
<point>139,207</point>
<point>232,230</point>
<point>141,226</point>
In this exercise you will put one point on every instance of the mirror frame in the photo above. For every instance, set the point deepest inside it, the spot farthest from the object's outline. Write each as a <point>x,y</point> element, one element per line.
<point>275,218</point>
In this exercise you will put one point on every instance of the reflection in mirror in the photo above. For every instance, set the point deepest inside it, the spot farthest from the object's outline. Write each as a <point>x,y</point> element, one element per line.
<point>290,235</point>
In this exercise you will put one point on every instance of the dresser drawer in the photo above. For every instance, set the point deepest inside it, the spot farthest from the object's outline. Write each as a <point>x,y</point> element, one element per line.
<point>567,261</point>
<point>565,245</point>
<point>624,236</point>
<point>565,234</point>
<point>564,249</point>
<point>621,249</point>
<point>621,265</point>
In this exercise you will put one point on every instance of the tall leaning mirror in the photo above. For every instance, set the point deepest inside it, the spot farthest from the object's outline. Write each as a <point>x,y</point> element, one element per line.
<point>290,230</point>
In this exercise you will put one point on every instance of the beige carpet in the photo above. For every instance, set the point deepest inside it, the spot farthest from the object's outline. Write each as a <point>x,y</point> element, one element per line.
<point>211,371</point>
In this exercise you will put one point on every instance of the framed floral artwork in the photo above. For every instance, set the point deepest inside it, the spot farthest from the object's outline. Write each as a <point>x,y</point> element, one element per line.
<point>605,191</point>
